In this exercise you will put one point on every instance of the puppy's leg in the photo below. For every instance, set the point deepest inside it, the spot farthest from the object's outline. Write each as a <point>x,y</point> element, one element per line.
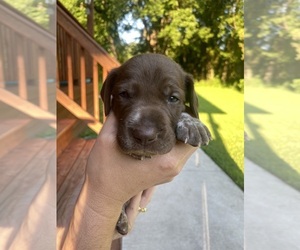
<point>122,224</point>
<point>192,131</point>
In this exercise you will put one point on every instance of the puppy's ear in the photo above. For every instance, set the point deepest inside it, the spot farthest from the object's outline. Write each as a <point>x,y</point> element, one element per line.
<point>106,90</point>
<point>191,96</point>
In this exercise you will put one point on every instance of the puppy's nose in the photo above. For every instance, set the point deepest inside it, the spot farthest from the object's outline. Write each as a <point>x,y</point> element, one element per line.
<point>145,136</point>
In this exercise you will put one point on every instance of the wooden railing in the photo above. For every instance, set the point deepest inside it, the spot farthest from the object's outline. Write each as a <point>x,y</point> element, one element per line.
<point>80,59</point>
<point>27,53</point>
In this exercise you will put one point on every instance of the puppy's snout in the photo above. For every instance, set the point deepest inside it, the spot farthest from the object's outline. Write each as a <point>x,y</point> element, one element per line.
<point>144,136</point>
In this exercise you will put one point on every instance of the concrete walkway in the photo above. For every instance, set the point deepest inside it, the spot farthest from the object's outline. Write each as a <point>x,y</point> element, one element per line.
<point>200,209</point>
<point>272,211</point>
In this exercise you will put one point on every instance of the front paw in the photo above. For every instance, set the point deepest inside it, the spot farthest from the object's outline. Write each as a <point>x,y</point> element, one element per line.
<point>122,224</point>
<point>192,131</point>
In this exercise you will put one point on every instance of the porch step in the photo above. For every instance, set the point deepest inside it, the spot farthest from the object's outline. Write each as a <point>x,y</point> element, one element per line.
<point>16,127</point>
<point>13,132</point>
<point>64,134</point>
<point>76,110</point>
<point>67,130</point>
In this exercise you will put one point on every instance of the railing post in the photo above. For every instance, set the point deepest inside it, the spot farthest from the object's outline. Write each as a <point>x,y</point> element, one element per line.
<point>42,79</point>
<point>69,67</point>
<point>21,68</point>
<point>82,79</point>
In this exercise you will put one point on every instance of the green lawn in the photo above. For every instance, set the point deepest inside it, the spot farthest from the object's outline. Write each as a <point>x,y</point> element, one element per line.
<point>273,125</point>
<point>222,110</point>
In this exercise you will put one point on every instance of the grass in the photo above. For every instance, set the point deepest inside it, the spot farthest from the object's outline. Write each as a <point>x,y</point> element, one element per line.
<point>272,123</point>
<point>222,110</point>
<point>88,134</point>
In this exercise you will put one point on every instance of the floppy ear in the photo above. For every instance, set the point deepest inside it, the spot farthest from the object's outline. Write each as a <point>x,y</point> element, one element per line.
<point>191,96</point>
<point>107,90</point>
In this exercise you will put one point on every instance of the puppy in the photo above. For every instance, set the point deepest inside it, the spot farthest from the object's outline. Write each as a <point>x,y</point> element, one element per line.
<point>155,104</point>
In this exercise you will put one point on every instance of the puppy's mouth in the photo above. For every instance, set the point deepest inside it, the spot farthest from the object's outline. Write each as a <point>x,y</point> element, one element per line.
<point>141,152</point>
<point>140,157</point>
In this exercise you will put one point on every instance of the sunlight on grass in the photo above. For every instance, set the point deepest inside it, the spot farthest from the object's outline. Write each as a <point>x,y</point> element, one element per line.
<point>222,110</point>
<point>272,123</point>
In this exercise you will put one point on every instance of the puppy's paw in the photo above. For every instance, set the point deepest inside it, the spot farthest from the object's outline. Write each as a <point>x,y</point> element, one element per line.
<point>192,131</point>
<point>122,224</point>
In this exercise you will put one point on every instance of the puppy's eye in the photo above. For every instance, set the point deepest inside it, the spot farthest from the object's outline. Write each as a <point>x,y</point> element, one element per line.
<point>124,94</point>
<point>173,99</point>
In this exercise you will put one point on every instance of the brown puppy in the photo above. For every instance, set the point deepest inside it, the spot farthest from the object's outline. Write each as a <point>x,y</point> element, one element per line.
<point>150,95</point>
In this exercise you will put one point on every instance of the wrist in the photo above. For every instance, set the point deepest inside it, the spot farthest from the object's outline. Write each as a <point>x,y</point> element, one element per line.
<point>96,200</point>
<point>94,220</point>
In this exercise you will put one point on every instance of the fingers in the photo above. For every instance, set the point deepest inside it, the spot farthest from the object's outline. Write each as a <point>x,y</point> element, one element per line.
<point>146,197</point>
<point>182,151</point>
<point>173,162</point>
<point>132,210</point>
<point>141,200</point>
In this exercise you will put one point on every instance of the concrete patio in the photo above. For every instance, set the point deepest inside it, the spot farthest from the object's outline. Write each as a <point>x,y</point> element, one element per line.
<point>200,209</point>
<point>272,211</point>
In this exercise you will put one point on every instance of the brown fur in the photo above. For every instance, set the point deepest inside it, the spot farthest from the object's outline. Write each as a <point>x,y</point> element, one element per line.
<point>139,94</point>
<point>150,95</point>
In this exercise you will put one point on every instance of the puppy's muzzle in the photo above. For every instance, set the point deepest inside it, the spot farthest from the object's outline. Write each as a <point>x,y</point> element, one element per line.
<point>146,132</point>
<point>145,135</point>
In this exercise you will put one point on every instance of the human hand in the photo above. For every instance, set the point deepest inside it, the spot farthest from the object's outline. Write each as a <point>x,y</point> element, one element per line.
<point>113,178</point>
<point>141,200</point>
<point>119,176</point>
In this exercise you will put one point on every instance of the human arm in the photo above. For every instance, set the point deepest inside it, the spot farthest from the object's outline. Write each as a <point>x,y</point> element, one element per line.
<point>112,178</point>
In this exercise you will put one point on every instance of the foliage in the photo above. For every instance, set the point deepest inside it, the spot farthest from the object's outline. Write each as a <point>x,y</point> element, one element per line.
<point>272,40</point>
<point>77,9</point>
<point>35,10</point>
<point>205,37</point>
<point>108,17</point>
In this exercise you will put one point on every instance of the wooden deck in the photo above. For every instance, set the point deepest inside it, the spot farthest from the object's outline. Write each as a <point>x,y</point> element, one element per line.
<point>71,164</point>
<point>80,58</point>
<point>28,196</point>
<point>29,84</point>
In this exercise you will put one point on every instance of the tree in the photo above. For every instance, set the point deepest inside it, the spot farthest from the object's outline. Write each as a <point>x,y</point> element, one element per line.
<point>205,37</point>
<point>272,40</point>
<point>35,10</point>
<point>109,15</point>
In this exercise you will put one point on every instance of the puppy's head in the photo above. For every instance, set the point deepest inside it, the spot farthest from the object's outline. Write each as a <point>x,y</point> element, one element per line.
<point>147,94</point>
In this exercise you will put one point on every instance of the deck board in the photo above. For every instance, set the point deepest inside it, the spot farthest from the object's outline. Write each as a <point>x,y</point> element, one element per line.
<point>14,163</point>
<point>12,132</point>
<point>23,178</point>
<point>71,166</point>
<point>67,160</point>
